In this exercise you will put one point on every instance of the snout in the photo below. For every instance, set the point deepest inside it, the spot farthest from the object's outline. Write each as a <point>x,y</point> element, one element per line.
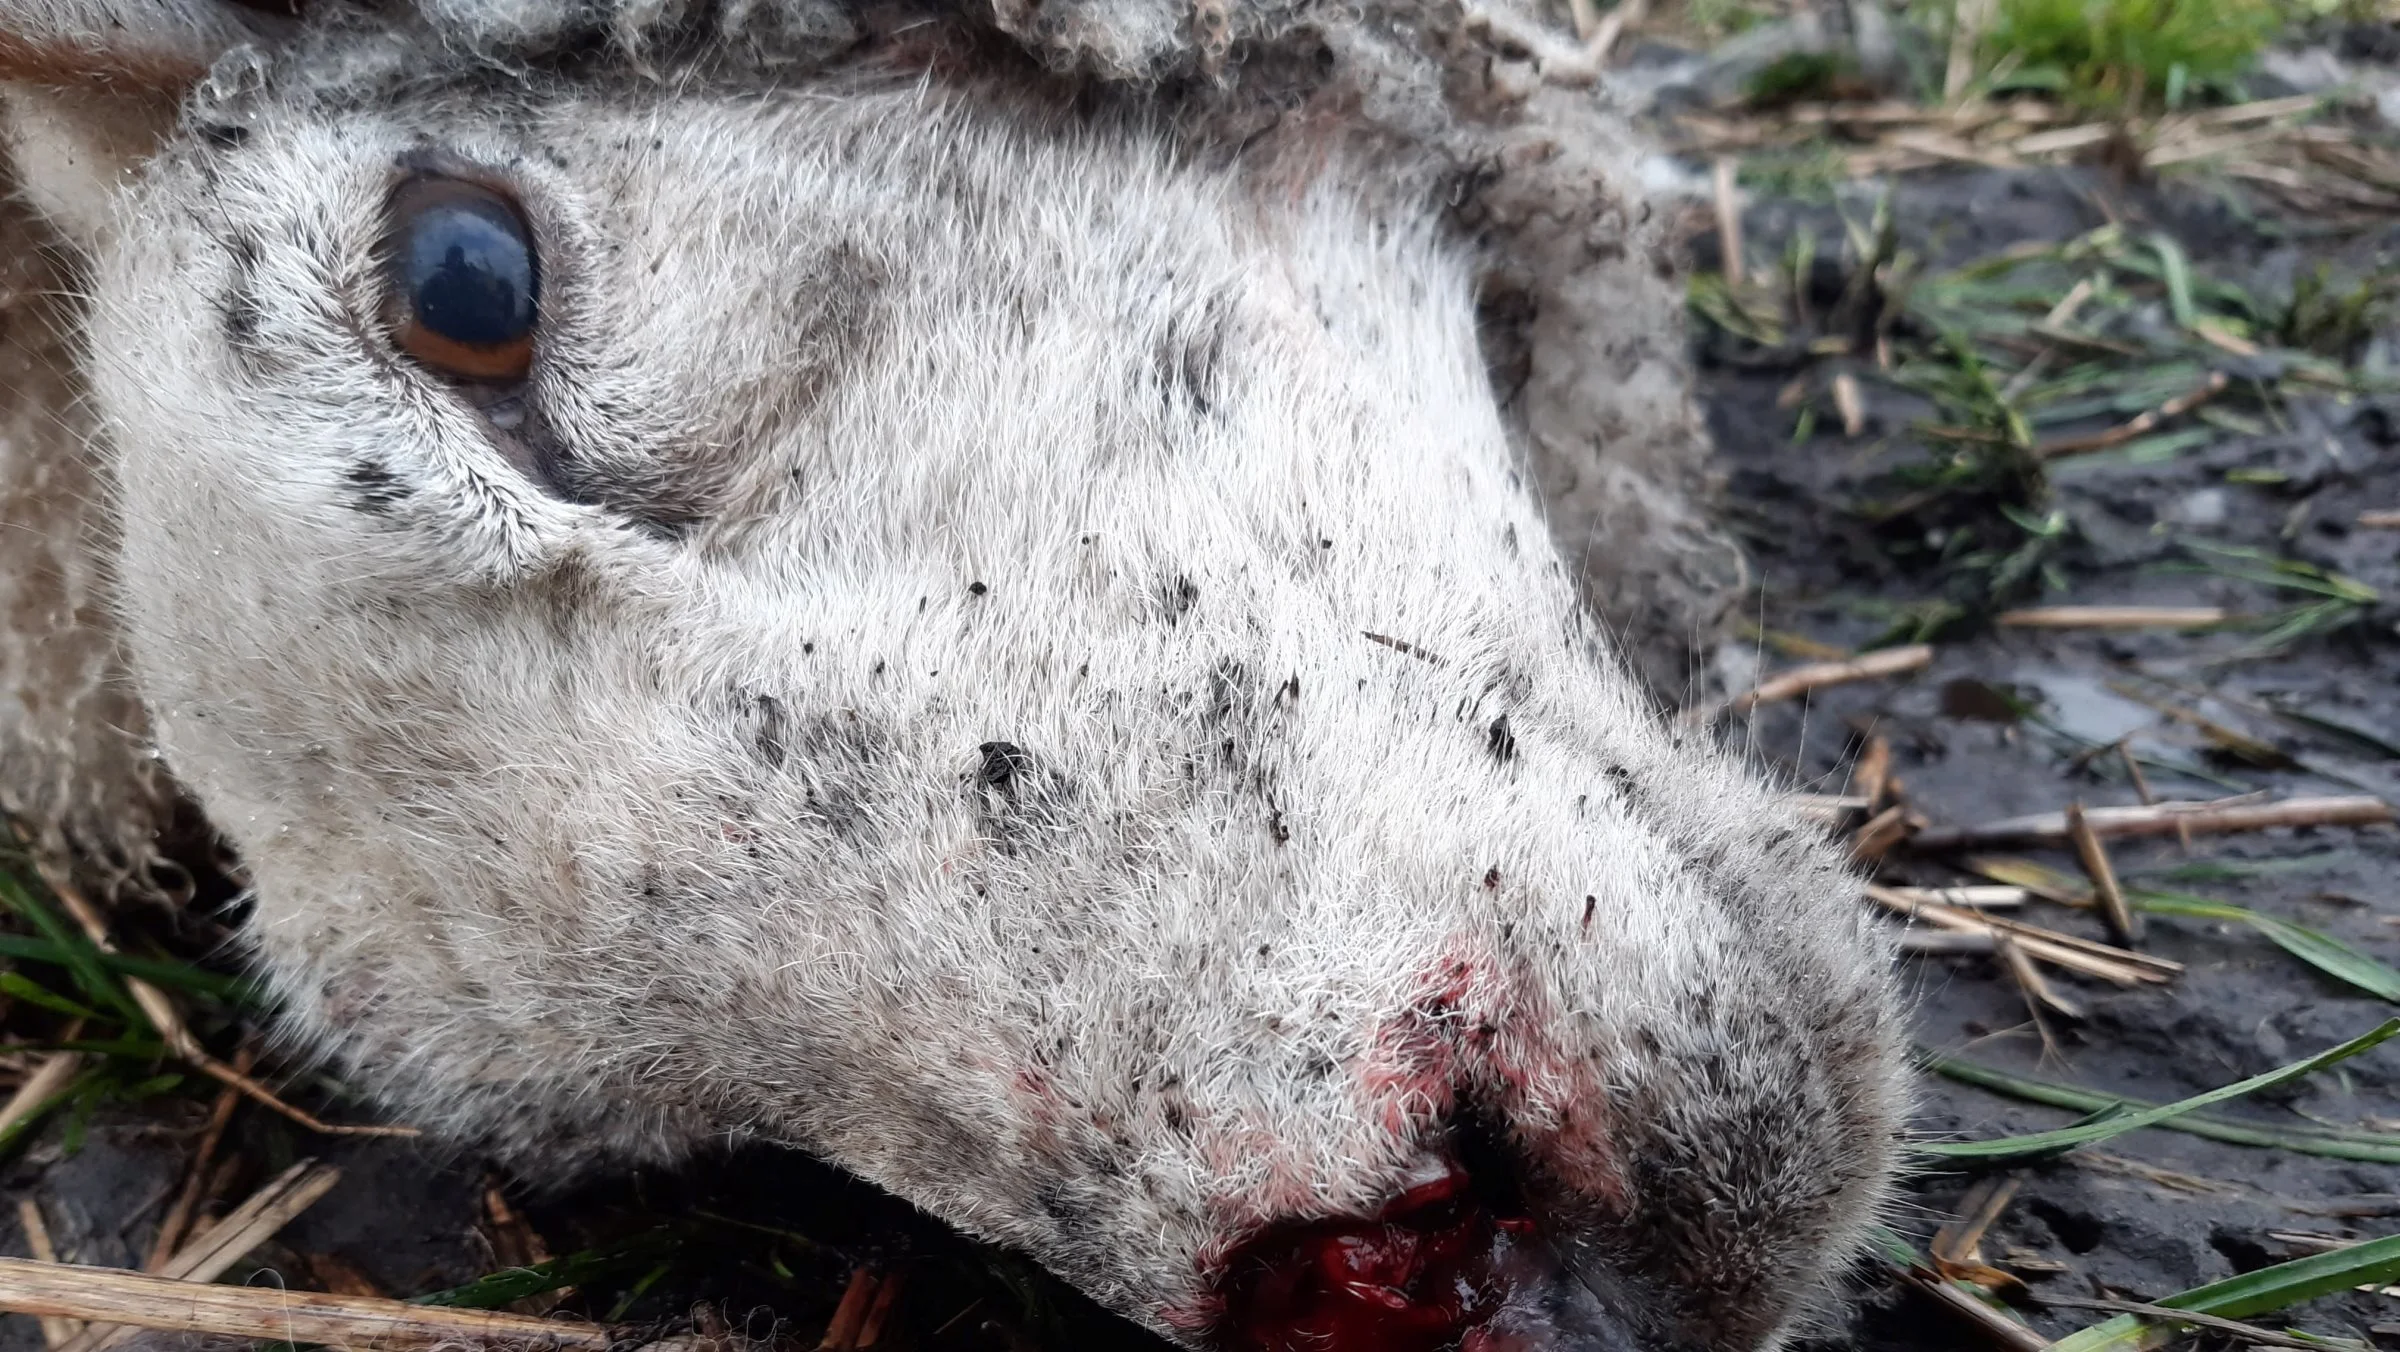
<point>1451,1265</point>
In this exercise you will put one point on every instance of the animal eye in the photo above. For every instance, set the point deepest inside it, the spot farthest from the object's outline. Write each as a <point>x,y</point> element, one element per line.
<point>467,278</point>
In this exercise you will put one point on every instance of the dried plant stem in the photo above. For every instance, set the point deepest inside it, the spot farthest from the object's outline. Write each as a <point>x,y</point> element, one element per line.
<point>1729,221</point>
<point>886,1295</point>
<point>1946,941</point>
<point>56,1330</point>
<point>1883,831</point>
<point>1871,778</point>
<point>2091,958</point>
<point>2142,790</point>
<point>2247,1333</point>
<point>2039,993</point>
<point>841,1334</point>
<point>2127,431</point>
<point>1999,1328</point>
<point>2113,617</point>
<point>2162,818</point>
<point>1625,18</point>
<point>1825,807</point>
<point>178,1220</point>
<point>1973,897</point>
<point>48,1079</point>
<point>1958,1240</point>
<point>1850,404</point>
<point>1967,23</point>
<point>222,1245</point>
<point>2379,520</point>
<point>1802,679</point>
<point>276,1316</point>
<point>2094,857</point>
<point>161,1012</point>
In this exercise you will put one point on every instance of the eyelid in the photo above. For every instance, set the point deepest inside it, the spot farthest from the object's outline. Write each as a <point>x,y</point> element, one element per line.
<point>509,407</point>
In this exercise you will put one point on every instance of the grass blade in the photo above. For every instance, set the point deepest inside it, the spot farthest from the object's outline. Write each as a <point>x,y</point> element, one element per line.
<point>2068,1138</point>
<point>2315,947</point>
<point>575,1269</point>
<point>2177,273</point>
<point>2374,1263</point>
<point>2335,958</point>
<point>32,1117</point>
<point>233,990</point>
<point>2331,1142</point>
<point>79,954</point>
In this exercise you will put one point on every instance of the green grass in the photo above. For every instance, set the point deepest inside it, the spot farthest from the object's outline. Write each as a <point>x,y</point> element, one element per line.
<point>62,992</point>
<point>2373,1263</point>
<point>2116,1116</point>
<point>2123,56</point>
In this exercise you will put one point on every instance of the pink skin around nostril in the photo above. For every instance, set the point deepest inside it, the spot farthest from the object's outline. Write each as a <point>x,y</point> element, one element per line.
<point>1443,1266</point>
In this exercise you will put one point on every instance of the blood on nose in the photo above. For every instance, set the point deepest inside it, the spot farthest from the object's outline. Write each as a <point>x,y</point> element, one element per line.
<point>1427,1274</point>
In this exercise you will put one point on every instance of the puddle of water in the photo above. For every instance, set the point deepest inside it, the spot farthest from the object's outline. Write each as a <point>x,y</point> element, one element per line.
<point>2081,706</point>
<point>2084,707</point>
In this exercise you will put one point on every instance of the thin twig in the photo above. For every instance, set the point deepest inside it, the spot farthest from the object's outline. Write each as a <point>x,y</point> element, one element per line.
<point>1802,679</point>
<point>48,1080</point>
<point>1884,830</point>
<point>2126,431</point>
<point>161,1012</point>
<point>2058,318</point>
<point>1946,941</point>
<point>2142,790</point>
<point>1958,1240</point>
<point>1975,897</point>
<point>1729,222</point>
<point>56,1331</point>
<point>2094,857</point>
<point>841,1334</point>
<point>187,1202</point>
<point>1848,402</point>
<point>275,1315</point>
<point>1871,777</point>
<point>2251,1333</point>
<point>2037,989</point>
<point>2379,520</point>
<point>222,1245</point>
<point>1626,17</point>
<point>1998,1327</point>
<point>2121,966</point>
<point>871,1332</point>
<point>2160,818</point>
<point>2113,617</point>
<point>1828,808</point>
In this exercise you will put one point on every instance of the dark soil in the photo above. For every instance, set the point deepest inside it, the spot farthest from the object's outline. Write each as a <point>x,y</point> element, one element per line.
<point>2157,1211</point>
<point>2141,1217</point>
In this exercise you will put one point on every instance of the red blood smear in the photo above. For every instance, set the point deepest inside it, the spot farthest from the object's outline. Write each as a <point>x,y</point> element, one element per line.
<point>1418,1278</point>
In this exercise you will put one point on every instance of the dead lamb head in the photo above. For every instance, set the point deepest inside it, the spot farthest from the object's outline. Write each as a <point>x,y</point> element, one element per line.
<point>964,600</point>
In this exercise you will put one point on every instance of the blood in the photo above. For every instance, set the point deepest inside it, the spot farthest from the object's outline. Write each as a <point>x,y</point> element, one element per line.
<point>1422,1276</point>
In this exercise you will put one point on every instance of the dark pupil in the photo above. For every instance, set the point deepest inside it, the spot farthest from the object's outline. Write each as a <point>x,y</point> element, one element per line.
<point>470,273</point>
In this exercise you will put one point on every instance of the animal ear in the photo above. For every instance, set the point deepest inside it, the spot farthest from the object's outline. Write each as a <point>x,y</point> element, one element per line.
<point>89,88</point>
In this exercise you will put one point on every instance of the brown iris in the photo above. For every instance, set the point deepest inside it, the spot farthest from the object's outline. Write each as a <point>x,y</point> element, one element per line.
<point>466,276</point>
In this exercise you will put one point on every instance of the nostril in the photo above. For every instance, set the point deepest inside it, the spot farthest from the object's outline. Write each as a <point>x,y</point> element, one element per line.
<point>1422,1275</point>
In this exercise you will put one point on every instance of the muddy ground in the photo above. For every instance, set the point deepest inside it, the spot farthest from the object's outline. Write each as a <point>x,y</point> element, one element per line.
<point>769,1236</point>
<point>2156,1211</point>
